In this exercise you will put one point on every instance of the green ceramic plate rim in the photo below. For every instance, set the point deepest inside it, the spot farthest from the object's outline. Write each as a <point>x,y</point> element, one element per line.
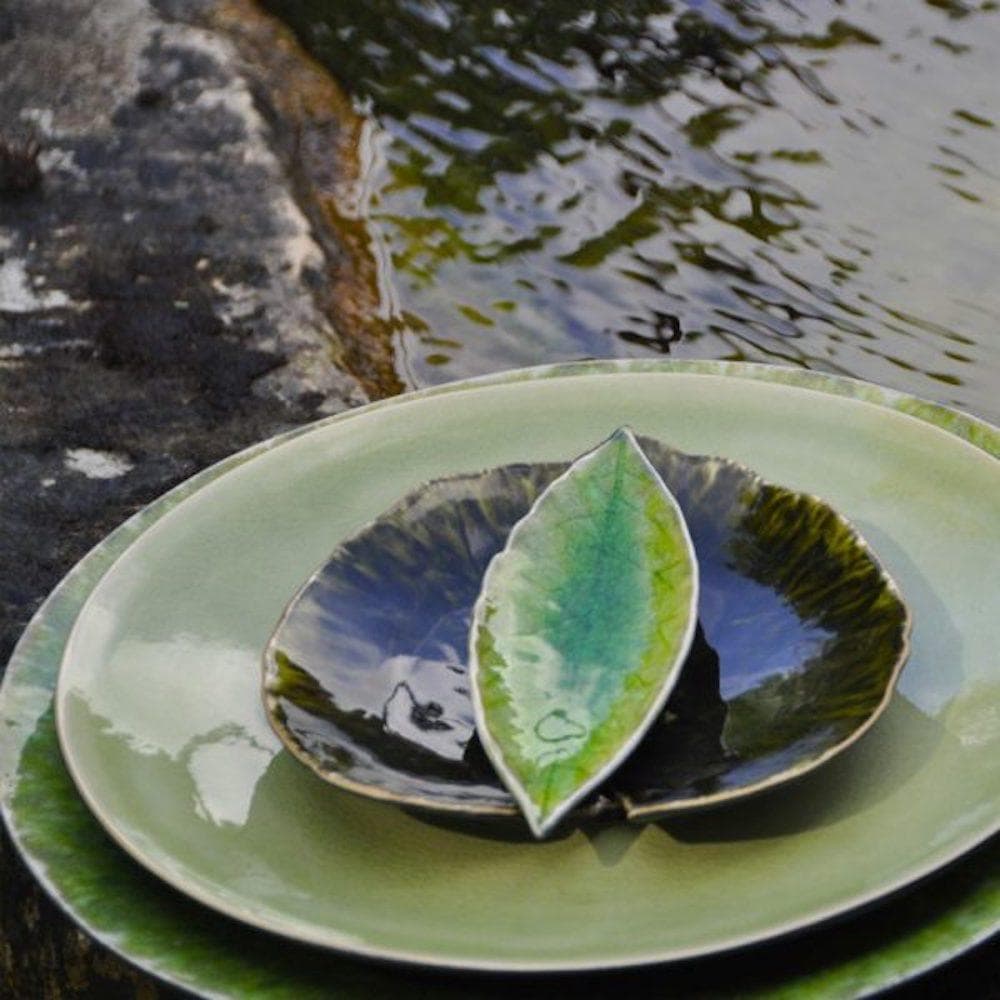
<point>31,670</point>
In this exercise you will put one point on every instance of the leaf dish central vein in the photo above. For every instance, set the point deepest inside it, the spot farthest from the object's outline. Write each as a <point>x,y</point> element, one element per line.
<point>581,627</point>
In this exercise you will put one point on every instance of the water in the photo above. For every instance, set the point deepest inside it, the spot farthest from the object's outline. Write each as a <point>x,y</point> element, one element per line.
<point>809,183</point>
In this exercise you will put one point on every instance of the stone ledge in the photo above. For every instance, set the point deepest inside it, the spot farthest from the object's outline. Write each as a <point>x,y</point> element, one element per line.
<point>165,299</point>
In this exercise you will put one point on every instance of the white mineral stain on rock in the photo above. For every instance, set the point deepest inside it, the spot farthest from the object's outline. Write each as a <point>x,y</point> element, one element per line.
<point>15,352</point>
<point>242,301</point>
<point>41,118</point>
<point>61,161</point>
<point>97,464</point>
<point>17,295</point>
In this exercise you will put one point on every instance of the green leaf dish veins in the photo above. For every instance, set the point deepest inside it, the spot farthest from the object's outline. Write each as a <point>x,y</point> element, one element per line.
<point>581,628</point>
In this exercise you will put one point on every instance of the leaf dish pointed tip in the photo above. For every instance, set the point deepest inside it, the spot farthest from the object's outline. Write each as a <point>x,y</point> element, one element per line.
<point>581,628</point>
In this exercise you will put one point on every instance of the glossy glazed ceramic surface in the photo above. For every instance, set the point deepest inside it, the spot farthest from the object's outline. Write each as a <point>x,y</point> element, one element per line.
<point>582,626</point>
<point>202,796</point>
<point>800,639</point>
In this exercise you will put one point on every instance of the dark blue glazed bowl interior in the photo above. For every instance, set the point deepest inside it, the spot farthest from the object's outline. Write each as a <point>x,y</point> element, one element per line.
<point>801,636</point>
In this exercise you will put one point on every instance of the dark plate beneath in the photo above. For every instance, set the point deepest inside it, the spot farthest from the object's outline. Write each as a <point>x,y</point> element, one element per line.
<point>801,637</point>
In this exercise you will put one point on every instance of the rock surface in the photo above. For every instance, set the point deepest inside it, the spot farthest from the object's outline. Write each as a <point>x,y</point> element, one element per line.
<point>163,303</point>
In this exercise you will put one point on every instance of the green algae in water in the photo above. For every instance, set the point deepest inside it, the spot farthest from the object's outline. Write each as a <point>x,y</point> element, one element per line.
<point>807,184</point>
<point>582,628</point>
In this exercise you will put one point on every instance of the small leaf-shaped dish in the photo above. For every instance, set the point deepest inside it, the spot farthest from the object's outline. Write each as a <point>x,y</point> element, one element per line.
<point>801,636</point>
<point>581,629</point>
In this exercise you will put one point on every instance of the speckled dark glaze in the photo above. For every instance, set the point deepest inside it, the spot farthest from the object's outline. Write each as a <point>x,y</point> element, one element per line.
<point>801,637</point>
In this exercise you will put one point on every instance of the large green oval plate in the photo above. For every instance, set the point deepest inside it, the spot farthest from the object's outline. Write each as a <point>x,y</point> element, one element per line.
<point>917,792</point>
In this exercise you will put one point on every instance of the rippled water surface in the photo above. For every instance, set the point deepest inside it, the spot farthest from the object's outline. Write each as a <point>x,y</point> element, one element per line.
<point>813,183</point>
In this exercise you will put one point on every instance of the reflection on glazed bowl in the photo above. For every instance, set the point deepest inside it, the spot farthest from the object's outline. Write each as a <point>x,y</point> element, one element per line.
<point>800,640</point>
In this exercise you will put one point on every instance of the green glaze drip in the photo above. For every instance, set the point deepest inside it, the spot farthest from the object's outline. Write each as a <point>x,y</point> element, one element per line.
<point>581,628</point>
<point>845,594</point>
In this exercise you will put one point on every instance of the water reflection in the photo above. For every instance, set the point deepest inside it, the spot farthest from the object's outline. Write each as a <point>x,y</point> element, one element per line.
<point>765,181</point>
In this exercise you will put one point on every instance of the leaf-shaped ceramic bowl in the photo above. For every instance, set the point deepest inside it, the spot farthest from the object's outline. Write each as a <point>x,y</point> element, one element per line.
<point>581,629</point>
<point>800,639</point>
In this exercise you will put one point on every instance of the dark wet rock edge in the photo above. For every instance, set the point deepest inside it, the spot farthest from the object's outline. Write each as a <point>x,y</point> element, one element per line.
<point>163,303</point>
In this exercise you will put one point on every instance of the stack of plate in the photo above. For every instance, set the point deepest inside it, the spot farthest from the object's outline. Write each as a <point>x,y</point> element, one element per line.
<point>149,652</point>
